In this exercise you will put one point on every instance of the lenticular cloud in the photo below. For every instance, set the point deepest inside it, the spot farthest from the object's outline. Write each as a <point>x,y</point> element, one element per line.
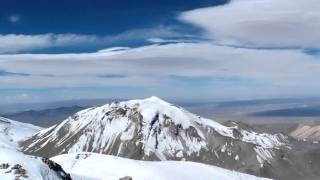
<point>285,23</point>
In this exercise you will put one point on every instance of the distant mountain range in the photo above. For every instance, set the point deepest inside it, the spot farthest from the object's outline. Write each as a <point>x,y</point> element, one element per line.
<point>48,114</point>
<point>20,107</point>
<point>44,118</point>
<point>304,111</point>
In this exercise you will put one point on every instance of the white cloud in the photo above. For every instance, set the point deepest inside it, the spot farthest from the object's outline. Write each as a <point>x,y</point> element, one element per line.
<point>161,40</point>
<point>281,23</point>
<point>12,43</point>
<point>146,33</point>
<point>17,43</point>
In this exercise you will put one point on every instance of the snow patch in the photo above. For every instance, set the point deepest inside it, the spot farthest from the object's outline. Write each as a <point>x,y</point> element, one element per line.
<point>112,168</point>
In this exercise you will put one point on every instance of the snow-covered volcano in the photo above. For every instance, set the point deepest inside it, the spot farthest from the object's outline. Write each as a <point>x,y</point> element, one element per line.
<point>152,129</point>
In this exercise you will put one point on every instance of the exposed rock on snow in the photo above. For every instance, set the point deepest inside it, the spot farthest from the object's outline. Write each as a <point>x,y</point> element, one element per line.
<point>98,166</point>
<point>126,178</point>
<point>16,166</point>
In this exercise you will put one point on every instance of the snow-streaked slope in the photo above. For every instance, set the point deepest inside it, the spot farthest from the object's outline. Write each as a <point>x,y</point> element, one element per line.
<point>152,129</point>
<point>306,132</point>
<point>15,165</point>
<point>12,131</point>
<point>106,167</point>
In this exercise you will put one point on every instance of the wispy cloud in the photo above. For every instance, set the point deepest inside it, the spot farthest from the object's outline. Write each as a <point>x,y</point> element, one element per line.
<point>13,43</point>
<point>112,76</point>
<point>164,41</point>
<point>14,18</point>
<point>17,43</point>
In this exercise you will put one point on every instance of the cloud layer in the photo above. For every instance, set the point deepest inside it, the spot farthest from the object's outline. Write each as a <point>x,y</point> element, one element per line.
<point>171,70</point>
<point>264,23</point>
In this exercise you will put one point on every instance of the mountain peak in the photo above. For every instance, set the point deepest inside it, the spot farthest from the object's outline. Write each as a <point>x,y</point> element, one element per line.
<point>153,100</point>
<point>152,129</point>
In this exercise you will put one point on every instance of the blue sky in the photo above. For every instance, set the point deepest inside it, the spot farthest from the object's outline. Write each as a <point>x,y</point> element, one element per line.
<point>92,17</point>
<point>99,18</point>
<point>179,50</point>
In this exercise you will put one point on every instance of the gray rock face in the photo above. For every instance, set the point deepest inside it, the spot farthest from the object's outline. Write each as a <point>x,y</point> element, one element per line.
<point>306,132</point>
<point>126,178</point>
<point>57,168</point>
<point>152,129</point>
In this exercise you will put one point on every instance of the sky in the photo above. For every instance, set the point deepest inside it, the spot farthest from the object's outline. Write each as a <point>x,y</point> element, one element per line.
<point>186,50</point>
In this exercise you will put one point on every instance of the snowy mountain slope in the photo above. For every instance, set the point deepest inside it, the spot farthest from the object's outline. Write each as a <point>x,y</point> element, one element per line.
<point>306,132</point>
<point>152,129</point>
<point>12,131</point>
<point>112,168</point>
<point>16,165</point>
